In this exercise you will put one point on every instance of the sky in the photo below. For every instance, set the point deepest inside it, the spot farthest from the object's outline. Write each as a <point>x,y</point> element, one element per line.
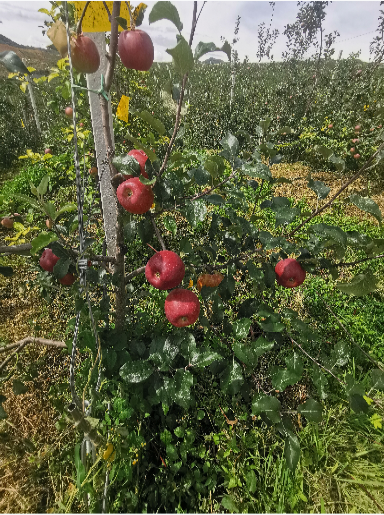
<point>356,21</point>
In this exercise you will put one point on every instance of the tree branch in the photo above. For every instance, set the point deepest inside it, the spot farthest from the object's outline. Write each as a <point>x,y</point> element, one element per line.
<point>330,202</point>
<point>79,25</point>
<point>22,343</point>
<point>133,274</point>
<point>159,237</point>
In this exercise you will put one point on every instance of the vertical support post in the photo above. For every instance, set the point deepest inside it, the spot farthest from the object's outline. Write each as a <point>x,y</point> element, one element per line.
<point>108,199</point>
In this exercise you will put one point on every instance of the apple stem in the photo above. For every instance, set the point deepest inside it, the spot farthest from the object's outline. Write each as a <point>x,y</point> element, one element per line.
<point>152,248</point>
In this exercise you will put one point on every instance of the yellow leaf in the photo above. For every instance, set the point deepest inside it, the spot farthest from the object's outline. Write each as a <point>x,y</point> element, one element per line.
<point>108,451</point>
<point>11,75</point>
<point>22,123</point>
<point>367,400</point>
<point>96,17</point>
<point>376,421</point>
<point>62,63</point>
<point>23,86</point>
<point>30,69</point>
<point>52,76</point>
<point>123,109</point>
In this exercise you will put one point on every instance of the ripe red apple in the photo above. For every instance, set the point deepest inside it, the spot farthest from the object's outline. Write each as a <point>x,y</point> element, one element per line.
<point>165,270</point>
<point>357,156</point>
<point>48,260</point>
<point>93,171</point>
<point>330,126</point>
<point>81,124</point>
<point>372,129</point>
<point>68,279</point>
<point>359,72</point>
<point>379,126</point>
<point>68,112</point>
<point>134,196</point>
<point>182,307</point>
<point>7,222</point>
<point>141,157</point>
<point>352,151</point>
<point>49,223</point>
<point>85,56</point>
<point>357,128</point>
<point>289,273</point>
<point>136,50</point>
<point>47,151</point>
<point>356,140</point>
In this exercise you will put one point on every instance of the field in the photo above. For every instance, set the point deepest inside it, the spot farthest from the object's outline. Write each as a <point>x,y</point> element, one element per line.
<point>272,401</point>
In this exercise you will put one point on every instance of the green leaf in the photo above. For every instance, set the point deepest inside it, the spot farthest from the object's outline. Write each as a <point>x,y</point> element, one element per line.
<point>65,209</point>
<point>259,170</point>
<point>245,353</point>
<point>13,63</point>
<point>200,175</point>
<point>330,232</point>
<point>320,381</point>
<point>29,200</point>
<point>182,57</point>
<point>130,229</point>
<point>42,187</point>
<point>147,182</point>
<point>163,351</point>
<point>136,371</point>
<point>227,287</point>
<point>230,144</point>
<point>367,205</point>
<point>292,451</point>
<point>312,410</point>
<point>122,22</point>
<point>3,413</point>
<point>7,271</point>
<point>358,403</point>
<point>42,240</point>
<point>50,210</point>
<point>81,473</point>
<point>281,378</point>
<point>377,378</point>
<point>241,328</point>
<point>325,152</point>
<point>215,199</point>
<point>205,358</point>
<point>361,285</point>
<point>229,504</point>
<point>145,230</point>
<point>61,268</point>
<point>165,11</point>
<point>170,224</point>
<point>151,155</point>
<point>152,121</point>
<point>18,387</point>
<point>321,189</point>
<point>267,404</point>
<point>203,48</point>
<point>195,212</point>
<point>250,479</point>
<point>232,379</point>
<point>126,164</point>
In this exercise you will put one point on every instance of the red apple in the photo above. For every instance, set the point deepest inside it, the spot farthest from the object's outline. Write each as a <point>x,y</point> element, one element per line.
<point>48,260</point>
<point>357,156</point>
<point>85,56</point>
<point>93,171</point>
<point>47,151</point>
<point>352,151</point>
<point>7,222</point>
<point>330,126</point>
<point>289,273</point>
<point>357,128</point>
<point>134,196</point>
<point>141,157</point>
<point>379,126</point>
<point>81,124</point>
<point>165,270</point>
<point>356,140</point>
<point>182,307</point>
<point>49,223</point>
<point>68,279</point>
<point>136,50</point>
<point>68,112</point>
<point>372,129</point>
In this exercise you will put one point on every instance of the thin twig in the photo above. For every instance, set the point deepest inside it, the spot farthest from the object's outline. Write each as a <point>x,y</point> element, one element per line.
<point>159,237</point>
<point>133,274</point>
<point>206,192</point>
<point>351,338</point>
<point>317,363</point>
<point>130,16</point>
<point>79,25</point>
<point>352,263</point>
<point>330,202</point>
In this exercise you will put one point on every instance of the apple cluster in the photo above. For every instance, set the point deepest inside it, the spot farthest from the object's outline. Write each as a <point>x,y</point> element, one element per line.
<point>48,260</point>
<point>166,270</point>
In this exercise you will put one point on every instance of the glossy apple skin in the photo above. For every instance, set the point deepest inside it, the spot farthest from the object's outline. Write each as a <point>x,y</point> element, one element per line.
<point>136,50</point>
<point>85,56</point>
<point>68,112</point>
<point>165,270</point>
<point>134,196</point>
<point>182,307</point>
<point>7,222</point>
<point>48,260</point>
<point>289,273</point>
<point>141,157</point>
<point>68,279</point>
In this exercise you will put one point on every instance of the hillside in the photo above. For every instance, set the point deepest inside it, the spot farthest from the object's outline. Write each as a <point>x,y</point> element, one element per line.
<point>38,58</point>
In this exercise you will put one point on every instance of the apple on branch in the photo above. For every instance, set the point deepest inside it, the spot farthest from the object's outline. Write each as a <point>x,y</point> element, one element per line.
<point>289,273</point>
<point>182,307</point>
<point>165,270</point>
<point>7,222</point>
<point>48,260</point>
<point>134,196</point>
<point>68,112</point>
<point>136,50</point>
<point>85,56</point>
<point>68,279</point>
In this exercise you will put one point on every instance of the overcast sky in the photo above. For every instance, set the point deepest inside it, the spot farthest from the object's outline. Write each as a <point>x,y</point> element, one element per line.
<point>356,22</point>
